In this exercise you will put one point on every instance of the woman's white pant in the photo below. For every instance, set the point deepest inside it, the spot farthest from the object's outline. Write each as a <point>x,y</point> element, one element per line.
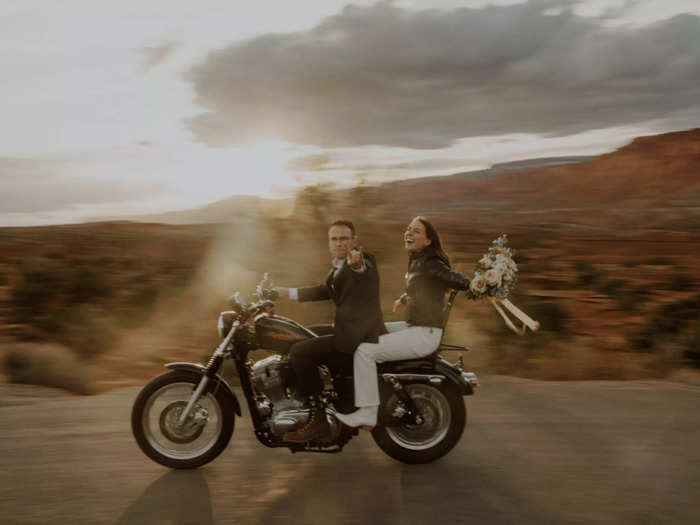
<point>402,342</point>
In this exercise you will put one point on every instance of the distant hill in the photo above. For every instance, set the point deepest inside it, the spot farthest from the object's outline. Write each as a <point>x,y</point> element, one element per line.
<point>653,181</point>
<point>250,207</point>
<point>503,167</point>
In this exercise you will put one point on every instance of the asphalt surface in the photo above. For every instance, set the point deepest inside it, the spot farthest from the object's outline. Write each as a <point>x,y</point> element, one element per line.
<point>533,452</point>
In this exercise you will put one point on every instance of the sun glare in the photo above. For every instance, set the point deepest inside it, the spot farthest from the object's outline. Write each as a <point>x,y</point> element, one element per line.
<point>260,168</point>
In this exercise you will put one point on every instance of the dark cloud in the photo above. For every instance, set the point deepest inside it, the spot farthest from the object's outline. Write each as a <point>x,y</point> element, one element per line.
<point>421,79</point>
<point>33,186</point>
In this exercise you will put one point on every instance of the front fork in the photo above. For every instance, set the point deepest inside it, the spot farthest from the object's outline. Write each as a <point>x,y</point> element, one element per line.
<point>209,372</point>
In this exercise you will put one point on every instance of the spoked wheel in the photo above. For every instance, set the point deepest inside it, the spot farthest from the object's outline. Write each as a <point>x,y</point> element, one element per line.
<point>444,417</point>
<point>155,421</point>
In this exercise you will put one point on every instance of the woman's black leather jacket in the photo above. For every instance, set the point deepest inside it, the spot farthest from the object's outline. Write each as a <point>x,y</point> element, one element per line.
<point>428,277</point>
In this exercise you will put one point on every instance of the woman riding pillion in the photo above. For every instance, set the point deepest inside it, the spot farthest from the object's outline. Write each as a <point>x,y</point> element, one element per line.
<point>429,275</point>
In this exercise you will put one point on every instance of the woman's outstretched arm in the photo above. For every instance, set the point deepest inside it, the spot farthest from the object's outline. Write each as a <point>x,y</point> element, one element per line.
<point>437,268</point>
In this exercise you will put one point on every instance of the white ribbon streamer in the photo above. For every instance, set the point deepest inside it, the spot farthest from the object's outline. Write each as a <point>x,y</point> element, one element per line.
<point>527,321</point>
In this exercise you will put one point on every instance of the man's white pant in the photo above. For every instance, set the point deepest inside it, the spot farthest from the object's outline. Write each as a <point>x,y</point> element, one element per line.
<point>402,342</point>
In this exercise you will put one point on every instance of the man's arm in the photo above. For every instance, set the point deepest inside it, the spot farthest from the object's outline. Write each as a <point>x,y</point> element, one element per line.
<point>368,269</point>
<point>312,293</point>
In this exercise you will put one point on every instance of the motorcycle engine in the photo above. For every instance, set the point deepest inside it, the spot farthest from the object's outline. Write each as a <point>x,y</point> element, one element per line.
<point>277,399</point>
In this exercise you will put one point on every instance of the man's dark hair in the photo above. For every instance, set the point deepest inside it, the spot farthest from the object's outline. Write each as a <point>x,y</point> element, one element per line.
<point>342,222</point>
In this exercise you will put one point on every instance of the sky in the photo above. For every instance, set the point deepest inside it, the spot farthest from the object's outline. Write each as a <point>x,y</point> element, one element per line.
<point>143,106</point>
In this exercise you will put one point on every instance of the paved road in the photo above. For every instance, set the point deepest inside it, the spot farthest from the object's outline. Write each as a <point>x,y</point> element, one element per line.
<point>533,452</point>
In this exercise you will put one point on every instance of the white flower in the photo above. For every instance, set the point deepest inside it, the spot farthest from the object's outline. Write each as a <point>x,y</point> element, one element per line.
<point>493,277</point>
<point>506,262</point>
<point>478,284</point>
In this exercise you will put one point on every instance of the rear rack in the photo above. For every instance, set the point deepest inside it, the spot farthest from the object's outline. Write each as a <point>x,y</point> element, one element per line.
<point>445,346</point>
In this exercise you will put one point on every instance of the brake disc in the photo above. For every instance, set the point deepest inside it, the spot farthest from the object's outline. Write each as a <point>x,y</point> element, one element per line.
<point>187,433</point>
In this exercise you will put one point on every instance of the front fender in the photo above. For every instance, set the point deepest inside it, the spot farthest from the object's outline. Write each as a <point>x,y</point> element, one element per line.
<point>431,366</point>
<point>193,367</point>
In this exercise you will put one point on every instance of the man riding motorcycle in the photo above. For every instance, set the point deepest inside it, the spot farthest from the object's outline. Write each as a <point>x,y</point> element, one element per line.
<point>353,285</point>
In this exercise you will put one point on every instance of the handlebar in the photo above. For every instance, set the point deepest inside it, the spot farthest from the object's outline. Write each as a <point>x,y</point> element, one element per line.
<point>264,297</point>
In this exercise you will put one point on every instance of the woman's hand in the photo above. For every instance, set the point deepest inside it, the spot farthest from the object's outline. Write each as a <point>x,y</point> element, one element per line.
<point>399,306</point>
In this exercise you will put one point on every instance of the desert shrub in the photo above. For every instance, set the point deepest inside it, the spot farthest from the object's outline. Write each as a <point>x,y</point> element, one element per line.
<point>55,255</point>
<point>630,298</point>
<point>588,274</point>
<point>3,279</point>
<point>55,300</point>
<point>659,261</point>
<point>47,365</point>
<point>630,264</point>
<point>679,282</point>
<point>691,345</point>
<point>627,296</point>
<point>39,285</point>
<point>551,315</point>
<point>46,286</point>
<point>668,322</point>
<point>611,287</point>
<point>87,330</point>
<point>131,264</point>
<point>546,283</point>
<point>86,284</point>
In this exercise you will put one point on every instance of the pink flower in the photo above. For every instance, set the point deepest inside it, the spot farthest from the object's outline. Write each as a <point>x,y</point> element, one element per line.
<point>478,284</point>
<point>493,277</point>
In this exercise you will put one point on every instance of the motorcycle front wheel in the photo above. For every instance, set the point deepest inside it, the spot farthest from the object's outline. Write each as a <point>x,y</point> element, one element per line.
<point>444,418</point>
<point>155,421</point>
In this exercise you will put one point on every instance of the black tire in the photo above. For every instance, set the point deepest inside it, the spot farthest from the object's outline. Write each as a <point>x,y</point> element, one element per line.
<point>212,448</point>
<point>389,438</point>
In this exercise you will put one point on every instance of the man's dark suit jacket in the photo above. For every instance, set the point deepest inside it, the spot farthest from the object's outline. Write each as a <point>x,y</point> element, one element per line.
<point>358,313</point>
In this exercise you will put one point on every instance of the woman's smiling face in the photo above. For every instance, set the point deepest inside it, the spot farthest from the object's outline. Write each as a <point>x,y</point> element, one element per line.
<point>414,238</point>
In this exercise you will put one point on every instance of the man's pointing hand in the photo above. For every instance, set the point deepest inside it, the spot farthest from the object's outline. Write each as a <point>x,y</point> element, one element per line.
<point>354,258</point>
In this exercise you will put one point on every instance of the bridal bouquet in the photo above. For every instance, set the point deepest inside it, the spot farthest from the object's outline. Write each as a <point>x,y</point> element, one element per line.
<point>494,277</point>
<point>495,272</point>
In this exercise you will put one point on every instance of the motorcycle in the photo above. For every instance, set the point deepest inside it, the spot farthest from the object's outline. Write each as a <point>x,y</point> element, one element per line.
<point>185,418</point>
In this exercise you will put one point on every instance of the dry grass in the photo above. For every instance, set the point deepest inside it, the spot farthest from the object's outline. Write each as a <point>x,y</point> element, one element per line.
<point>47,365</point>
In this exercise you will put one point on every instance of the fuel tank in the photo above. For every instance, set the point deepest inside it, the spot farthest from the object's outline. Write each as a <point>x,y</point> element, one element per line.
<point>277,334</point>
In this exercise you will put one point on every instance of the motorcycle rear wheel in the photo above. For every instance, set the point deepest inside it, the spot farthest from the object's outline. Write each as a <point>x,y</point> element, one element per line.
<point>205,434</point>
<point>444,415</point>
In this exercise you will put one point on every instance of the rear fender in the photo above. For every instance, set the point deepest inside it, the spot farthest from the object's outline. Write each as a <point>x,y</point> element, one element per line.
<point>200,369</point>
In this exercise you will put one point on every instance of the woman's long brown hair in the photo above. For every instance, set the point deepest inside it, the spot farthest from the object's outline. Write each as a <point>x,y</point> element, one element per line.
<point>432,234</point>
